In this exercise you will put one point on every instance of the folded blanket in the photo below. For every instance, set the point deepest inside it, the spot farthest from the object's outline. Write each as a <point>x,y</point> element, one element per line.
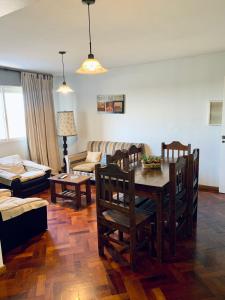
<point>11,207</point>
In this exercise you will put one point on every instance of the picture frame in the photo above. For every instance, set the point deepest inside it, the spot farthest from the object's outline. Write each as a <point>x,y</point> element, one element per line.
<point>215,112</point>
<point>111,104</point>
<point>101,106</point>
<point>118,107</point>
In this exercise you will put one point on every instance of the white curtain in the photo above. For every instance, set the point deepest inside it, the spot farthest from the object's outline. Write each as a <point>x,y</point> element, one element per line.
<point>40,119</point>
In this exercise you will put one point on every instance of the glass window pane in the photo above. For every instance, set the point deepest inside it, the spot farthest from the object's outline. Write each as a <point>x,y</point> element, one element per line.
<point>3,134</point>
<point>15,112</point>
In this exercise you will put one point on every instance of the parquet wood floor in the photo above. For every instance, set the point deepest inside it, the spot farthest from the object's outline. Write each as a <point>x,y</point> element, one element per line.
<point>63,263</point>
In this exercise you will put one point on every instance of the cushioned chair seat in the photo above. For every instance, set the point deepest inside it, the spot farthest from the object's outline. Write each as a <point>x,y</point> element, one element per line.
<point>140,201</point>
<point>85,167</point>
<point>148,207</point>
<point>120,218</point>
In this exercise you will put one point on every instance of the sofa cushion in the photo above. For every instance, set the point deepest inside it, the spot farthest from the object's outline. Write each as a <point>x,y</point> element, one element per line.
<point>31,175</point>
<point>16,168</point>
<point>12,164</point>
<point>8,175</point>
<point>5,193</point>
<point>93,157</point>
<point>12,207</point>
<point>109,147</point>
<point>85,167</point>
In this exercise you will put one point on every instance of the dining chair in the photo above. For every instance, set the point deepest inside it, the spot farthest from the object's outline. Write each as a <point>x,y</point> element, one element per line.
<point>178,200</point>
<point>116,213</point>
<point>170,150</point>
<point>134,154</point>
<point>193,172</point>
<point>175,202</point>
<point>121,158</point>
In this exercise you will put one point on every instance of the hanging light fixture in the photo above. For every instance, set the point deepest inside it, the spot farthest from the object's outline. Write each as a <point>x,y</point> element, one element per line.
<point>91,65</point>
<point>64,88</point>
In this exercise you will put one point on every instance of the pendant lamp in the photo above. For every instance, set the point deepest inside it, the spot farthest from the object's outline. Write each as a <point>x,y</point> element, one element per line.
<point>91,65</point>
<point>64,88</point>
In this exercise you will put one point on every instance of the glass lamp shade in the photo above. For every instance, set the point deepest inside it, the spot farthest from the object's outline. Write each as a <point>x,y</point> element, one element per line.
<point>91,66</point>
<point>64,89</point>
<point>66,124</point>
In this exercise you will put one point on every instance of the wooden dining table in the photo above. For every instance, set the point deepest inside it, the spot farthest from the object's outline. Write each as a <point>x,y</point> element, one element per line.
<point>155,183</point>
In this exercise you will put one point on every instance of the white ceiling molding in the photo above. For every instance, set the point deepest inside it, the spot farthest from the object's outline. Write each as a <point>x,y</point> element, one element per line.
<point>124,32</point>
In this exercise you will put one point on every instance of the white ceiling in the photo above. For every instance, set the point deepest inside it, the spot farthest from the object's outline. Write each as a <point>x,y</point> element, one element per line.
<point>124,32</point>
<point>9,6</point>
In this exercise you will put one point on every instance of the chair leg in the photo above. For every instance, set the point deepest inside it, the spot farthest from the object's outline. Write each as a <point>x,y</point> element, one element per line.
<point>195,216</point>
<point>133,250</point>
<point>121,236</point>
<point>172,234</point>
<point>190,225</point>
<point>100,241</point>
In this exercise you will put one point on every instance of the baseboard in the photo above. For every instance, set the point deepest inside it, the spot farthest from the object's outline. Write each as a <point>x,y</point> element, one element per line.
<point>208,188</point>
<point>2,269</point>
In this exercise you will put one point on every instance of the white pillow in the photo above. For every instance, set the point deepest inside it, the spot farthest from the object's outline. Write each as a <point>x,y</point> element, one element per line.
<point>93,157</point>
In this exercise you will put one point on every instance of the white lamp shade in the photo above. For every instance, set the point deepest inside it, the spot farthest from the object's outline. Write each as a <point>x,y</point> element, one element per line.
<point>66,124</point>
<point>91,66</point>
<point>64,89</point>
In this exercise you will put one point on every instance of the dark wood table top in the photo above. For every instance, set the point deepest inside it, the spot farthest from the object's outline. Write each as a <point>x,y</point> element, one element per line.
<point>70,179</point>
<point>152,178</point>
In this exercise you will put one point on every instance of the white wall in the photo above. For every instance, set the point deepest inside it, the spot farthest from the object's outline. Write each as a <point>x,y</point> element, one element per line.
<point>165,101</point>
<point>65,102</point>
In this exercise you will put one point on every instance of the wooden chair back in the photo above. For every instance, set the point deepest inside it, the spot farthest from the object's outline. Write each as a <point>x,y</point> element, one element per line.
<point>170,150</point>
<point>178,174</point>
<point>134,154</point>
<point>120,157</point>
<point>193,187</point>
<point>115,191</point>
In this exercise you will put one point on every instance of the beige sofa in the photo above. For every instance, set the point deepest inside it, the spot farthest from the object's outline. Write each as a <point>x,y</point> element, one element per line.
<point>79,162</point>
<point>23,177</point>
<point>20,219</point>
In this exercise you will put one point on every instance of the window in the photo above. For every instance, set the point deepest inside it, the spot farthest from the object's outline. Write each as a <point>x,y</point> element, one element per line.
<point>12,118</point>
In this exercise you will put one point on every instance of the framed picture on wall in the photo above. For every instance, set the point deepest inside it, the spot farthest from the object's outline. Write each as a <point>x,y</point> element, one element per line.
<point>100,106</point>
<point>118,107</point>
<point>109,107</point>
<point>215,112</point>
<point>111,104</point>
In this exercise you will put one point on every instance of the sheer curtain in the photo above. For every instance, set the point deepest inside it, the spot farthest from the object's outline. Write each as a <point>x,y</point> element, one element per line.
<point>40,119</point>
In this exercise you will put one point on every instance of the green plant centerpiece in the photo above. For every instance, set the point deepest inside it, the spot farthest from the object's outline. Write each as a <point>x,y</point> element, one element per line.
<point>151,162</point>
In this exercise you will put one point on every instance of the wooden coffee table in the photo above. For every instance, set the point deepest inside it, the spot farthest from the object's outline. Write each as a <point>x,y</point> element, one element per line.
<point>74,182</point>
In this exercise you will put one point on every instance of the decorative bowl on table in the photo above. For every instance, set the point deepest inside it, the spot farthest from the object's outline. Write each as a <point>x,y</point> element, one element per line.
<point>151,162</point>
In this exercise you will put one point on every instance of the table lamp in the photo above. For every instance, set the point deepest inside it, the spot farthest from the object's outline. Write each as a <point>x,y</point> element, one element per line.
<point>66,127</point>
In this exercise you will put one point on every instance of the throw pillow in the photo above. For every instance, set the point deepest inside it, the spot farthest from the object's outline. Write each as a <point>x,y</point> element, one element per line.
<point>93,157</point>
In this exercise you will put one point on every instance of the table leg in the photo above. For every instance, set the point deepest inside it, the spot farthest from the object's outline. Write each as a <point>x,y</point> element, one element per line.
<point>63,185</point>
<point>78,196</point>
<point>52,189</point>
<point>160,227</point>
<point>88,191</point>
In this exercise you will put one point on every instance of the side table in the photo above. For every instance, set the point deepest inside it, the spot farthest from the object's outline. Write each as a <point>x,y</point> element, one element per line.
<point>75,193</point>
